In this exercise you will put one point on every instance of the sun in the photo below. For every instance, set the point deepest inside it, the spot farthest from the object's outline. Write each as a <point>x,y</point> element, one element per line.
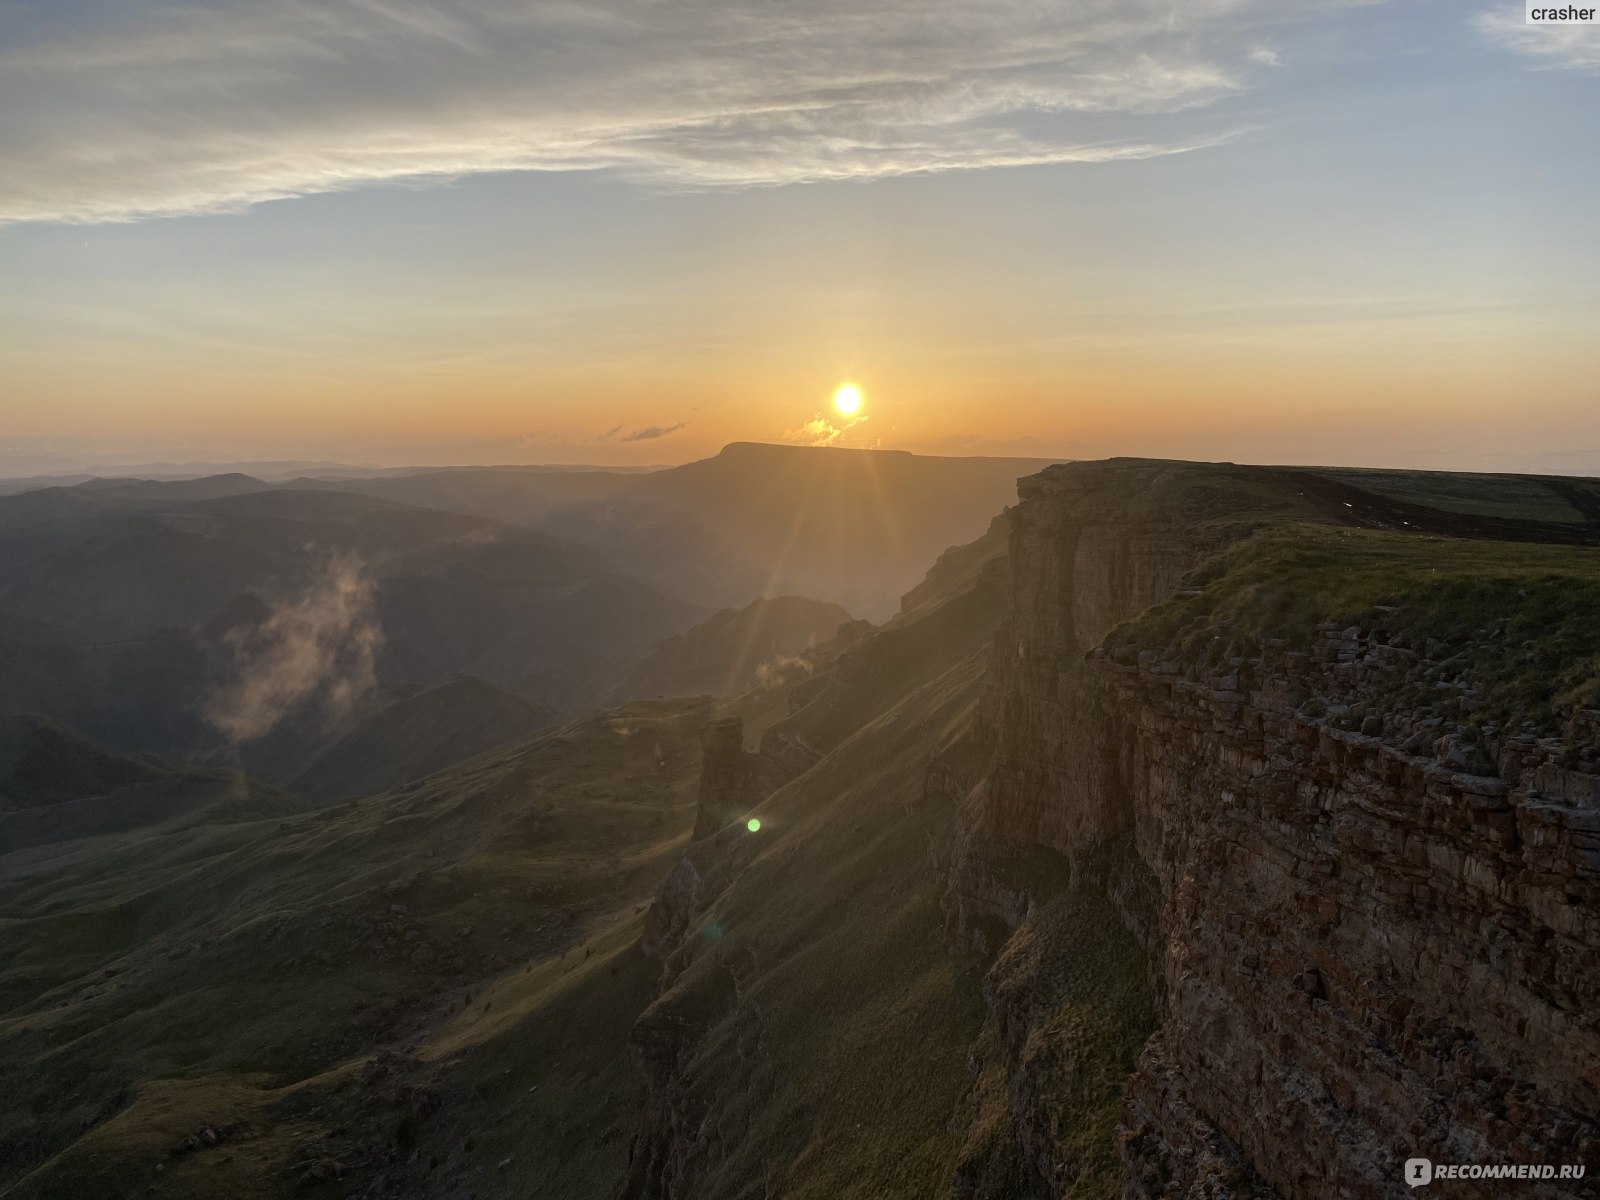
<point>847,400</point>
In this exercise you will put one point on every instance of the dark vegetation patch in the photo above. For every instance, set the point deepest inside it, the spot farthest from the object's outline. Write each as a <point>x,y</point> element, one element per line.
<point>51,763</point>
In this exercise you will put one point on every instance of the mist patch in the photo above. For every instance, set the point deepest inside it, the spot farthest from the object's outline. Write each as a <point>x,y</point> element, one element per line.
<point>319,647</point>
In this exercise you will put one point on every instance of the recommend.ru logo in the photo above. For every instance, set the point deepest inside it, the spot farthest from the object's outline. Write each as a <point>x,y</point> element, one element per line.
<point>1422,1171</point>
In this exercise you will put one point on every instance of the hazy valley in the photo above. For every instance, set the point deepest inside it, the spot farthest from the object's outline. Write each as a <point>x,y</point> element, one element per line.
<point>1184,830</point>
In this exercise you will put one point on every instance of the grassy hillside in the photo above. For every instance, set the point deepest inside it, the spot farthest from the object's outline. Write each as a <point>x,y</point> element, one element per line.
<point>1521,619</point>
<point>45,762</point>
<point>420,736</point>
<point>433,990</point>
<point>1551,498</point>
<point>1496,577</point>
<point>223,970</point>
<point>822,1018</point>
<point>834,1064</point>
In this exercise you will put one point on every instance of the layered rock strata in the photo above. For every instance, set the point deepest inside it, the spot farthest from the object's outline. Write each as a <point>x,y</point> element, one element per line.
<point>1359,954</point>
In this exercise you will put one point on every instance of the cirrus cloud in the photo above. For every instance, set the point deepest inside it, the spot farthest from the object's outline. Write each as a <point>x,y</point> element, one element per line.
<point>1568,47</point>
<point>203,107</point>
<point>651,432</point>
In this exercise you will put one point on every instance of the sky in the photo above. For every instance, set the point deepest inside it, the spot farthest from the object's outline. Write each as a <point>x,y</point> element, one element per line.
<point>631,231</point>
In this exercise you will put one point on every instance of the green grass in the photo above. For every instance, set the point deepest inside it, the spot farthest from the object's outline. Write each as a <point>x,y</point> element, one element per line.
<point>1073,1003</point>
<point>1087,983</point>
<point>836,1067</point>
<point>1522,618</point>
<point>209,953</point>
<point>133,1152</point>
<point>1519,497</point>
<point>537,1069</point>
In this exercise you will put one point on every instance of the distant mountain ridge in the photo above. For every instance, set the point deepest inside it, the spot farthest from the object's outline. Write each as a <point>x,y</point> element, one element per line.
<point>125,609</point>
<point>853,527</point>
<point>267,471</point>
<point>127,606</point>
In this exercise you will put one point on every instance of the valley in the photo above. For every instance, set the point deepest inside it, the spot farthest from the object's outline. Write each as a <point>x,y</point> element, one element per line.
<point>1190,830</point>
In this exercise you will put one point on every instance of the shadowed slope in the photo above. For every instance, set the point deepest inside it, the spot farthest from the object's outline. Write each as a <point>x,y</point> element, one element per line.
<point>812,1035</point>
<point>138,616</point>
<point>420,736</point>
<point>45,762</point>
<point>239,973</point>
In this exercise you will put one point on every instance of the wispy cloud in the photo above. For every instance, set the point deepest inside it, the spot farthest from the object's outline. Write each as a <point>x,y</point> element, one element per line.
<point>1565,47</point>
<point>197,108</point>
<point>550,439</point>
<point>651,432</point>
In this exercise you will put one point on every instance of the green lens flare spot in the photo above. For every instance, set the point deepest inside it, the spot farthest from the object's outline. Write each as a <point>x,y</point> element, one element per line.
<point>753,825</point>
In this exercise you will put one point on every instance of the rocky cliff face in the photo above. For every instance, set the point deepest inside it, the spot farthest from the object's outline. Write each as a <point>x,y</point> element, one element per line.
<point>671,1145</point>
<point>811,1030</point>
<point>733,781</point>
<point>1260,908</point>
<point>1352,955</point>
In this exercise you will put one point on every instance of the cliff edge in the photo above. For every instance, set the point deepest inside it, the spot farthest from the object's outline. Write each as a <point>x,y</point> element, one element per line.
<point>1320,788</point>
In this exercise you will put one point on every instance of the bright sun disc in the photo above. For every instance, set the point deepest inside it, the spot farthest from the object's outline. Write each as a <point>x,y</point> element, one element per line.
<point>847,400</point>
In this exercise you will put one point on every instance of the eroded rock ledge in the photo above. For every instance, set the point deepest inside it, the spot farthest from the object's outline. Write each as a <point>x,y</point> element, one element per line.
<point>1356,953</point>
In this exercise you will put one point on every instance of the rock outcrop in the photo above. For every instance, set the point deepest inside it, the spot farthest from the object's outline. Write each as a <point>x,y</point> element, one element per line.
<point>1356,954</point>
<point>804,966</point>
<point>669,1142</point>
<point>1259,909</point>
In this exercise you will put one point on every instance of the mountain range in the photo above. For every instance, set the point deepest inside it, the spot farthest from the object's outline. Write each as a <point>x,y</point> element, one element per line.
<point>853,527</point>
<point>256,624</point>
<point>1189,830</point>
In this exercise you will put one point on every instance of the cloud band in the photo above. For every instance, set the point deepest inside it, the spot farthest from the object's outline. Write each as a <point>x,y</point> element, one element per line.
<point>210,107</point>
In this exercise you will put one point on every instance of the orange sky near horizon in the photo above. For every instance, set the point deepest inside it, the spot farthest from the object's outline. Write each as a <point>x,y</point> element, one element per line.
<point>1256,231</point>
<point>1424,392</point>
